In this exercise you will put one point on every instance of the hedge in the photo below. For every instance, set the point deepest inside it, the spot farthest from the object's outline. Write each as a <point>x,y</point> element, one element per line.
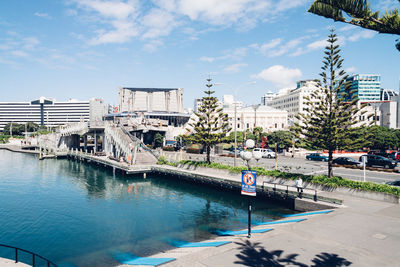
<point>334,182</point>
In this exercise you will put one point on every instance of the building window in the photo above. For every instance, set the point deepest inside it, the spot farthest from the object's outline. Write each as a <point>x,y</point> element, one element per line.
<point>248,126</point>
<point>283,125</point>
<point>276,125</point>
<point>238,125</point>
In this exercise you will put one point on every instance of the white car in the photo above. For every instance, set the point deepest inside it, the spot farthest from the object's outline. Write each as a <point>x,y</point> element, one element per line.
<point>266,152</point>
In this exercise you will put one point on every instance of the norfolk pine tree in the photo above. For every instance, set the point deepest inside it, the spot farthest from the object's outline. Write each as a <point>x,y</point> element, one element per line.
<point>359,14</point>
<point>211,126</point>
<point>331,109</point>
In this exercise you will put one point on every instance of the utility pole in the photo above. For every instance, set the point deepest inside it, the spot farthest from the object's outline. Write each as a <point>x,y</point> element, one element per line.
<point>235,121</point>
<point>276,156</point>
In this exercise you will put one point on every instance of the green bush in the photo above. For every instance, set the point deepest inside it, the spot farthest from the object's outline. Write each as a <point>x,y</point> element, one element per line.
<point>193,150</point>
<point>163,161</point>
<point>324,180</point>
<point>168,148</point>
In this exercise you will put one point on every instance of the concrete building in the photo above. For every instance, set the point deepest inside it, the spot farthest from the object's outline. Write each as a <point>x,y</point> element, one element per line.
<point>387,94</point>
<point>150,99</point>
<point>367,87</point>
<point>293,100</point>
<point>267,98</point>
<point>248,118</point>
<point>50,112</point>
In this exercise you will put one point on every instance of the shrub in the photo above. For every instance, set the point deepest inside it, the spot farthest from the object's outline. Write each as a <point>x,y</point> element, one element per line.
<point>168,148</point>
<point>193,150</point>
<point>324,180</point>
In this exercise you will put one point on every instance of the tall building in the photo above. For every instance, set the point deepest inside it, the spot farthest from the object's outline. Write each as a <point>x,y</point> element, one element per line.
<point>367,87</point>
<point>388,94</point>
<point>267,98</point>
<point>150,99</point>
<point>294,100</point>
<point>49,112</point>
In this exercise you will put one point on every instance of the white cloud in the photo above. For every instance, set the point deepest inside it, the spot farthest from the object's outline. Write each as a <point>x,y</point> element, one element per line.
<point>152,45</point>
<point>110,9</point>
<point>158,23</point>
<point>347,28</point>
<point>264,48</point>
<point>19,53</point>
<point>30,43</point>
<point>279,75</point>
<point>207,59</point>
<point>364,34</point>
<point>317,44</point>
<point>351,70</point>
<point>43,15</point>
<point>119,15</point>
<point>234,68</point>
<point>124,19</point>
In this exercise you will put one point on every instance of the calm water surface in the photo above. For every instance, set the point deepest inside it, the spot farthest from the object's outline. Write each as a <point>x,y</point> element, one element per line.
<point>78,214</point>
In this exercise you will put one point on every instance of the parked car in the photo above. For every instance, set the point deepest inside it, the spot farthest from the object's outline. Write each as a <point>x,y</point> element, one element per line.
<point>346,161</point>
<point>394,155</point>
<point>232,150</point>
<point>269,154</point>
<point>394,183</point>
<point>374,160</point>
<point>317,157</point>
<point>266,152</point>
<point>378,153</point>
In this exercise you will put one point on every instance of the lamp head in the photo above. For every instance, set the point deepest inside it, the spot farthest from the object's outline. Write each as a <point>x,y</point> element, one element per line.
<point>257,155</point>
<point>250,143</point>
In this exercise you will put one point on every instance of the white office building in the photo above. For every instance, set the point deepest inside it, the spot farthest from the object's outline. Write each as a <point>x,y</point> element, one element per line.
<point>248,118</point>
<point>267,98</point>
<point>293,100</point>
<point>50,112</point>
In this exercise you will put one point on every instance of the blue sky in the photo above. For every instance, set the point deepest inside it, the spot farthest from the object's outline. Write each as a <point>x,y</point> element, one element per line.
<point>87,48</point>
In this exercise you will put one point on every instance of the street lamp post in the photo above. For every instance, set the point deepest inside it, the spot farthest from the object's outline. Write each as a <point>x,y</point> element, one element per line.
<point>235,120</point>
<point>247,156</point>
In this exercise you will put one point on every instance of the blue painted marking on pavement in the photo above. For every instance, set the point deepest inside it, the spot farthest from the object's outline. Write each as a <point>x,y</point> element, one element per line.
<point>278,222</point>
<point>130,259</point>
<point>307,213</point>
<point>203,244</point>
<point>228,232</point>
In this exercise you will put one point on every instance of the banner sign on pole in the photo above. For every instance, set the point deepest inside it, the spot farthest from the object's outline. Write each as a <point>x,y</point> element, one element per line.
<point>249,183</point>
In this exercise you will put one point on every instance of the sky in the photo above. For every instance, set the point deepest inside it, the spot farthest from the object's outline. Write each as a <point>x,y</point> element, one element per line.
<point>82,49</point>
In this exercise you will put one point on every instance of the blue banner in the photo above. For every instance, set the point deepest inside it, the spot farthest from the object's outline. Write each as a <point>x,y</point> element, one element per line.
<point>249,181</point>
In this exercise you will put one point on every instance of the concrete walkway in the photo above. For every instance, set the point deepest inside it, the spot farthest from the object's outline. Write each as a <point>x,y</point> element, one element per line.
<point>364,233</point>
<point>361,232</point>
<point>11,263</point>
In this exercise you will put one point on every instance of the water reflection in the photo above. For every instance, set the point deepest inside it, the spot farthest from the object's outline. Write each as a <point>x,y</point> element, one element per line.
<point>74,212</point>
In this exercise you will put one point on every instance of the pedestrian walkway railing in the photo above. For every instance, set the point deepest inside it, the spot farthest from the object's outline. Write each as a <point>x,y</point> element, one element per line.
<point>287,189</point>
<point>138,141</point>
<point>34,256</point>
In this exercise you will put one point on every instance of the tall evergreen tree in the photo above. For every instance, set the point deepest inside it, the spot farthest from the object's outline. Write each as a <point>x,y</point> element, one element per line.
<point>359,13</point>
<point>330,110</point>
<point>211,125</point>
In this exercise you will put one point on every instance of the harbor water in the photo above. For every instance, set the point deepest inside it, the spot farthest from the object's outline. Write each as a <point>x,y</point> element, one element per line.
<point>77,214</point>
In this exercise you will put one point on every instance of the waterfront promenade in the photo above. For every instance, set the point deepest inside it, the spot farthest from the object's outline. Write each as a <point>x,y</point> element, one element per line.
<point>361,232</point>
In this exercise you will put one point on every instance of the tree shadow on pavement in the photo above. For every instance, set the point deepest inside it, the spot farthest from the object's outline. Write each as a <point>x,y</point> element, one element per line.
<point>253,254</point>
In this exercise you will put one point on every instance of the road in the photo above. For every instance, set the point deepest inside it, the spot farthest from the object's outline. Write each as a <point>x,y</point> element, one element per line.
<point>301,165</point>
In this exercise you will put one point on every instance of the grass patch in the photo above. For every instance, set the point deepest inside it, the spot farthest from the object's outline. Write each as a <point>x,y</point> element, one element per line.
<point>324,180</point>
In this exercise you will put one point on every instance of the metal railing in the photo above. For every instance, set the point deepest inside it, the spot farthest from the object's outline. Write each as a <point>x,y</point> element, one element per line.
<point>34,255</point>
<point>285,188</point>
<point>135,139</point>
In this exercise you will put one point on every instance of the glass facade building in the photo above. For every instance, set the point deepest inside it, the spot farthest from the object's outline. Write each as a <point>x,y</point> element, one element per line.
<point>367,87</point>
